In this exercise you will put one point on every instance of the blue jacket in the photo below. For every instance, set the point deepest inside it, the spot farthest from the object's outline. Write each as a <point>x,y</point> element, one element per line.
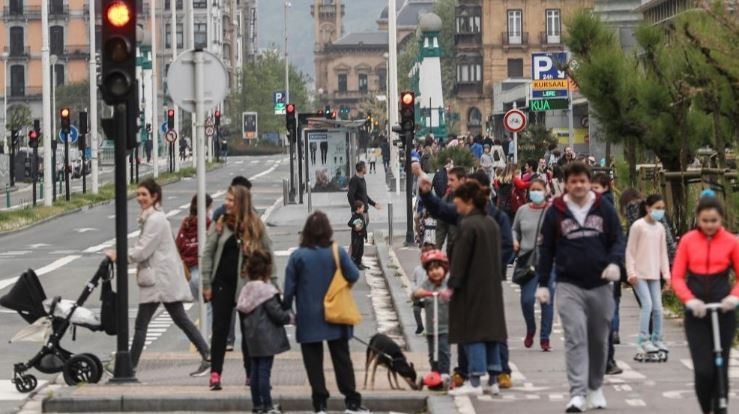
<point>307,278</point>
<point>581,253</point>
<point>447,213</point>
<point>477,150</point>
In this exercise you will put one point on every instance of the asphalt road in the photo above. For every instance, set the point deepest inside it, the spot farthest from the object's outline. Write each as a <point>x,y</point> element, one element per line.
<point>65,252</point>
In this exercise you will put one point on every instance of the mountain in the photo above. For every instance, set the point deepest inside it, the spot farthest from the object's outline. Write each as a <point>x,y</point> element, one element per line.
<point>360,15</point>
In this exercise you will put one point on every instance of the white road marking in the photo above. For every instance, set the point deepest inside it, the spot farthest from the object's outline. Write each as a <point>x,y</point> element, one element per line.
<point>464,405</point>
<point>516,374</point>
<point>265,172</point>
<point>268,211</point>
<point>184,206</point>
<point>9,393</point>
<point>112,216</point>
<point>38,245</point>
<point>15,253</point>
<point>284,253</point>
<point>557,396</point>
<point>85,230</point>
<point>173,213</point>
<point>254,162</point>
<point>636,402</point>
<point>42,271</point>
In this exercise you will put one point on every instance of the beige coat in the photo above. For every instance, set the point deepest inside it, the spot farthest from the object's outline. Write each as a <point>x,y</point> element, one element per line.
<point>159,271</point>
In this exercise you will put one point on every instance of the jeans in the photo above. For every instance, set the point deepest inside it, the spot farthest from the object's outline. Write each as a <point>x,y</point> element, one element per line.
<point>177,312</point>
<point>650,295</point>
<point>483,357</point>
<point>261,371</point>
<point>616,322</point>
<point>528,301</point>
<point>462,360</point>
<point>342,362</point>
<point>442,365</point>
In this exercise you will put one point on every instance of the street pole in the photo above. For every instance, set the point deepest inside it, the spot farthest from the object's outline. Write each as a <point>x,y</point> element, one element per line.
<point>66,166</point>
<point>570,123</point>
<point>199,116</point>
<point>408,139</point>
<point>5,102</point>
<point>393,97</point>
<point>190,44</point>
<point>46,98</point>
<point>287,63</point>
<point>515,140</point>
<point>173,7</point>
<point>154,91</point>
<point>93,110</point>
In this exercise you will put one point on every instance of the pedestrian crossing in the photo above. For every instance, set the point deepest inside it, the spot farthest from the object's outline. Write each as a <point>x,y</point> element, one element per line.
<point>159,326</point>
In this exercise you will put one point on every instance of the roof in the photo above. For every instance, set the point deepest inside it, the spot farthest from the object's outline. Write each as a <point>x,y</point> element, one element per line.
<point>363,38</point>
<point>410,11</point>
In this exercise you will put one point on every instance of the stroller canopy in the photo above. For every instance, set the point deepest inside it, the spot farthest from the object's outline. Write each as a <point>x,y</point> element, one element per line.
<point>26,297</point>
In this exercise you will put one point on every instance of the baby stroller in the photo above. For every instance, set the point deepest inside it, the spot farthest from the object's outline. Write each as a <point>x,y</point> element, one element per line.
<point>50,319</point>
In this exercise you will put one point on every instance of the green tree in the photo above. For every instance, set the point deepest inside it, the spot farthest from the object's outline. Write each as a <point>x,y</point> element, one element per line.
<point>406,59</point>
<point>534,142</point>
<point>446,10</point>
<point>75,96</point>
<point>19,116</point>
<point>259,79</point>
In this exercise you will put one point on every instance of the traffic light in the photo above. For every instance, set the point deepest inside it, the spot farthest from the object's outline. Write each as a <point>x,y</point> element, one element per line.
<point>290,119</point>
<point>119,50</point>
<point>408,112</point>
<point>82,139</point>
<point>65,113</point>
<point>170,119</point>
<point>217,116</point>
<point>33,138</point>
<point>14,137</point>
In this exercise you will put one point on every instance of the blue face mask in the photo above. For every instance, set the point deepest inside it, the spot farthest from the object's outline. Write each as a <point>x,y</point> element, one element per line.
<point>537,197</point>
<point>657,215</point>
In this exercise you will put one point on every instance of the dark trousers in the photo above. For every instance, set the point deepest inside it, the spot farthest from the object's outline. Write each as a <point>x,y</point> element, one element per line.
<point>442,365</point>
<point>417,308</point>
<point>223,307</point>
<point>357,248</point>
<point>177,312</point>
<point>372,168</point>
<point>261,390</point>
<point>343,368</point>
<point>700,341</point>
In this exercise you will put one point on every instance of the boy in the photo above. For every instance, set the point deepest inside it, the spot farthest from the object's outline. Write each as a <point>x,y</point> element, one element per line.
<point>418,278</point>
<point>436,264</point>
<point>359,233</point>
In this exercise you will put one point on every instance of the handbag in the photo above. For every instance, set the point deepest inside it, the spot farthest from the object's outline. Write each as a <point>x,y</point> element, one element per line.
<point>188,273</point>
<point>525,269</point>
<point>145,276</point>
<point>338,304</point>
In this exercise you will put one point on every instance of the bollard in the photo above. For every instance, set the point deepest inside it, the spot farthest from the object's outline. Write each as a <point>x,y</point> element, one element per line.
<point>7,196</point>
<point>390,224</point>
<point>284,192</point>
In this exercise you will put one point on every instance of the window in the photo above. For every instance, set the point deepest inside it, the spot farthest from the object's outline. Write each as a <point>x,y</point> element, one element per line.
<point>515,25</point>
<point>469,72</point>
<point>56,40</point>
<point>16,7</point>
<point>16,41</point>
<point>199,4</point>
<point>515,68</point>
<point>168,36</point>
<point>17,80</point>
<point>201,35</point>
<point>56,7</point>
<point>381,80</point>
<point>553,26</point>
<point>178,4</point>
<point>363,82</point>
<point>342,82</point>
<point>468,21</point>
<point>59,74</point>
<point>474,117</point>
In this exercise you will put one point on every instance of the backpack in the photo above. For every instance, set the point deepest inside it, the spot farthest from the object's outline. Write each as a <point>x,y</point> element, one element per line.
<point>518,199</point>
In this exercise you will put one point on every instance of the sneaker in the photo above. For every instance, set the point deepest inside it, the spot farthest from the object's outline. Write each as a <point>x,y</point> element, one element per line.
<point>545,346</point>
<point>357,410</point>
<point>275,409</point>
<point>504,381</point>
<point>613,369</point>
<point>529,340</point>
<point>419,330</point>
<point>215,381</point>
<point>229,348</point>
<point>466,389</point>
<point>596,399</point>
<point>493,389</point>
<point>202,369</point>
<point>576,405</point>
<point>616,338</point>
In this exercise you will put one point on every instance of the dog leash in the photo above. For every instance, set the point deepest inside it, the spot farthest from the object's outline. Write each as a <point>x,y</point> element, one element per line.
<point>388,356</point>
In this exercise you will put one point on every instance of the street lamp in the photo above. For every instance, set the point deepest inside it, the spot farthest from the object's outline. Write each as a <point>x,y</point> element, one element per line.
<point>52,63</point>
<point>5,102</point>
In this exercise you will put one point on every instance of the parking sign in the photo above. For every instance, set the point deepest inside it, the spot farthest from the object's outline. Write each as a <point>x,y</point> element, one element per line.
<point>280,100</point>
<point>548,80</point>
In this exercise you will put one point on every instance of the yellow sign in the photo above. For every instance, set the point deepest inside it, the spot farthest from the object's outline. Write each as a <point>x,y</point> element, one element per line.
<point>563,134</point>
<point>550,84</point>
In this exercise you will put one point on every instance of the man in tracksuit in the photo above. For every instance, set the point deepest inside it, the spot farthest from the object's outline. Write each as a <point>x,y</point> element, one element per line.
<point>582,234</point>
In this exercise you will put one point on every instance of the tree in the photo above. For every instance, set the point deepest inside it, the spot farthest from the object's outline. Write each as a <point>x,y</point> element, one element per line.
<point>534,142</point>
<point>259,80</point>
<point>75,96</point>
<point>19,116</point>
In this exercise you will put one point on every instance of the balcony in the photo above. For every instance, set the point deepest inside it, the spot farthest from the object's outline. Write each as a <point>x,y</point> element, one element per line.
<point>326,11</point>
<point>18,53</point>
<point>550,41</point>
<point>473,39</point>
<point>24,94</point>
<point>76,51</point>
<point>350,95</point>
<point>515,40</point>
<point>462,89</point>
<point>34,13</point>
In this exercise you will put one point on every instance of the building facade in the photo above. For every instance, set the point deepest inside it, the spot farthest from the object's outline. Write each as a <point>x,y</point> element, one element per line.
<point>494,42</point>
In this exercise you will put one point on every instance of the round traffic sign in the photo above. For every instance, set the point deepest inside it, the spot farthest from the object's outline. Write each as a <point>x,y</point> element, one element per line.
<point>171,136</point>
<point>210,131</point>
<point>73,135</point>
<point>164,127</point>
<point>514,120</point>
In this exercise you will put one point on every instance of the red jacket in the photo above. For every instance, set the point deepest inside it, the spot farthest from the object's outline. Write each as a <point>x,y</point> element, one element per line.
<point>700,255</point>
<point>187,240</point>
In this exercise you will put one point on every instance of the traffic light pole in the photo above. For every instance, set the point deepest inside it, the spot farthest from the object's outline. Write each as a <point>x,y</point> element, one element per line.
<point>13,135</point>
<point>291,138</point>
<point>66,166</point>
<point>408,190</point>
<point>300,164</point>
<point>53,168</point>
<point>35,172</point>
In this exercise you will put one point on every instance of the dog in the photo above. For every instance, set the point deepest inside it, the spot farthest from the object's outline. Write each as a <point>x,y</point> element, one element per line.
<point>383,351</point>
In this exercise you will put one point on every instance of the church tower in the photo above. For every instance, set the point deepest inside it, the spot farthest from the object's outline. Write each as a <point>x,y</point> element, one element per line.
<point>327,28</point>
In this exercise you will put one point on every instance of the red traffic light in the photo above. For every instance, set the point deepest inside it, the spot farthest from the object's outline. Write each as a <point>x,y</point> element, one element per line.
<point>170,113</point>
<point>407,98</point>
<point>290,108</point>
<point>64,113</point>
<point>118,14</point>
<point>217,114</point>
<point>33,135</point>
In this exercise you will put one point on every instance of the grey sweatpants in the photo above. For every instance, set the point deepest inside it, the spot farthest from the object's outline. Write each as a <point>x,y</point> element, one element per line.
<point>586,319</point>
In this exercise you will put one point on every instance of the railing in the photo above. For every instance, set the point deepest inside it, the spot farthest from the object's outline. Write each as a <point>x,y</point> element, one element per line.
<point>468,88</point>
<point>34,12</point>
<point>515,39</point>
<point>25,92</point>
<point>77,51</point>
<point>14,53</point>
<point>468,38</point>
<point>550,40</point>
<point>350,94</point>
<point>325,10</point>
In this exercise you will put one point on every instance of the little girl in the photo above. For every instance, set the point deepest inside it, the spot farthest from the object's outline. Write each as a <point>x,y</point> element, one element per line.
<point>646,261</point>
<point>264,322</point>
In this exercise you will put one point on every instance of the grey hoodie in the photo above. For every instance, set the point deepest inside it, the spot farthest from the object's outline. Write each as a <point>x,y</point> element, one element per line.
<point>264,319</point>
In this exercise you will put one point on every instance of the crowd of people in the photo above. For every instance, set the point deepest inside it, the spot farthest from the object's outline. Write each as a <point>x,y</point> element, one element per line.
<point>567,249</point>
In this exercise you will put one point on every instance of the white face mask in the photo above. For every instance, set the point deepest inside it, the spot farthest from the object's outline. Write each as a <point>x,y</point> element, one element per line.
<point>537,197</point>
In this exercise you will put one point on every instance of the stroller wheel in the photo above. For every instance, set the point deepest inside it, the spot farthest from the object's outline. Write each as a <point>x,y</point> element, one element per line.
<point>98,365</point>
<point>81,369</point>
<point>26,383</point>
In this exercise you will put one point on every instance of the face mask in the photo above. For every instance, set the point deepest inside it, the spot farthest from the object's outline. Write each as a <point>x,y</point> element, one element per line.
<point>537,197</point>
<point>657,215</point>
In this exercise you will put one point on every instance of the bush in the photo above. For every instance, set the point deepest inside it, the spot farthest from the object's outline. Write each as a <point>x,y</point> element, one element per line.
<point>260,147</point>
<point>461,155</point>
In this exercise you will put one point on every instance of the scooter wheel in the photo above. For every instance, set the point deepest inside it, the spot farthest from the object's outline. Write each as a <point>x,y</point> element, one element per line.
<point>81,369</point>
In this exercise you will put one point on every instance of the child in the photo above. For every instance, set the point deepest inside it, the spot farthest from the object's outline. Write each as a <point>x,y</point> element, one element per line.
<point>372,162</point>
<point>646,261</point>
<point>418,278</point>
<point>359,233</point>
<point>264,322</point>
<point>436,264</point>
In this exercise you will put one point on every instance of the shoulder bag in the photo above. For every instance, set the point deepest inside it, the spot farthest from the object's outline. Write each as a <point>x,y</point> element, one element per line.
<point>338,304</point>
<point>525,269</point>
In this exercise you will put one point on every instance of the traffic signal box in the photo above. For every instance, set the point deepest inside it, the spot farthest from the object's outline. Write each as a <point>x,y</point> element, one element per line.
<point>408,112</point>
<point>290,120</point>
<point>170,119</point>
<point>118,50</point>
<point>217,117</point>
<point>65,114</point>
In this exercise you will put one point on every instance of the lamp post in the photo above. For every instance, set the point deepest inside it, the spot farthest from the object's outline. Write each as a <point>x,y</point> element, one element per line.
<point>5,102</point>
<point>52,148</point>
<point>287,64</point>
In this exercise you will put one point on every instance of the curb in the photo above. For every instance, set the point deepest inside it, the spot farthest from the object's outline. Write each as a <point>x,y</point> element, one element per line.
<point>441,404</point>
<point>219,403</point>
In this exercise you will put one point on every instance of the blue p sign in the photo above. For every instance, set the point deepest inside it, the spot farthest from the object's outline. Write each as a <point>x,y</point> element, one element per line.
<point>280,97</point>
<point>544,66</point>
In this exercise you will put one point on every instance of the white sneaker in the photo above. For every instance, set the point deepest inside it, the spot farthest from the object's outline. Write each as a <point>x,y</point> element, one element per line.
<point>493,389</point>
<point>576,405</point>
<point>466,389</point>
<point>596,399</point>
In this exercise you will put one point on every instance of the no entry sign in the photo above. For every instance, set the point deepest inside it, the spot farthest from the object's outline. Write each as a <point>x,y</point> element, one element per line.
<point>514,120</point>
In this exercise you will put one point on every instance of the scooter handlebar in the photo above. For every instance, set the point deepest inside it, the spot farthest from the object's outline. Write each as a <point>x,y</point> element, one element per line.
<point>713,306</point>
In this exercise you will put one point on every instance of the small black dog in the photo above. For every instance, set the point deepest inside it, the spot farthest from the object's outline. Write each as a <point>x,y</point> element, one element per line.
<point>384,351</point>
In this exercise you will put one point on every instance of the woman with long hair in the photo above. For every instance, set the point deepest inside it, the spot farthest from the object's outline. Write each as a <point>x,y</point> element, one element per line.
<point>160,274</point>
<point>230,241</point>
<point>308,276</point>
<point>701,275</point>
